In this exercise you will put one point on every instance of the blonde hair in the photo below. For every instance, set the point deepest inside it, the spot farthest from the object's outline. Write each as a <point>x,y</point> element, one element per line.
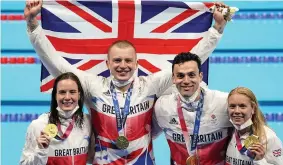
<point>258,118</point>
<point>120,44</point>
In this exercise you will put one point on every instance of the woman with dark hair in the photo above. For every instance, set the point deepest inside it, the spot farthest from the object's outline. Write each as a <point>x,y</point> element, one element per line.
<point>253,142</point>
<point>63,135</point>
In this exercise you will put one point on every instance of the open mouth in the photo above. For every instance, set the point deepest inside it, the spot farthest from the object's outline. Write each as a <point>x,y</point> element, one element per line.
<point>68,103</point>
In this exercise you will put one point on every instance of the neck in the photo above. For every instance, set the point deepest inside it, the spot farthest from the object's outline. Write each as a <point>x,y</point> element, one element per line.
<point>124,88</point>
<point>244,131</point>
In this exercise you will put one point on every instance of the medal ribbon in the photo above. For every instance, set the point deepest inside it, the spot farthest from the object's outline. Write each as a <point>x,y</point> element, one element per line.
<point>68,130</point>
<point>242,149</point>
<point>121,119</point>
<point>196,125</point>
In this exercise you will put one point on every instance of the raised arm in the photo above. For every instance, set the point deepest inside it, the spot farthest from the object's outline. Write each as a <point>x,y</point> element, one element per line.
<point>208,44</point>
<point>54,63</point>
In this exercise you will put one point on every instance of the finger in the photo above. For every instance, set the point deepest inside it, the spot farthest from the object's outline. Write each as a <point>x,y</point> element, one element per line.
<point>43,141</point>
<point>43,133</point>
<point>33,3</point>
<point>40,3</point>
<point>258,145</point>
<point>28,4</point>
<point>257,151</point>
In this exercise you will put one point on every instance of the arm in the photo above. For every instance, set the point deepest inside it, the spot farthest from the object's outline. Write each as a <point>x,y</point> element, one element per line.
<point>273,155</point>
<point>158,82</point>
<point>207,45</point>
<point>162,82</point>
<point>54,63</point>
<point>32,154</point>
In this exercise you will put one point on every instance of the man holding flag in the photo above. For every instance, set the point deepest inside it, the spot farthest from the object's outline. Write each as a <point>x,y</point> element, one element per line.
<point>121,106</point>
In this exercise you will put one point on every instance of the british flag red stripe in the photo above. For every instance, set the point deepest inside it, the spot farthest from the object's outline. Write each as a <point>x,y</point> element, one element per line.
<point>158,29</point>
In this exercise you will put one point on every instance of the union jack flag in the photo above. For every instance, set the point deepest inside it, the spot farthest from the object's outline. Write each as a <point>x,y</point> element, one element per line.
<point>82,31</point>
<point>277,153</point>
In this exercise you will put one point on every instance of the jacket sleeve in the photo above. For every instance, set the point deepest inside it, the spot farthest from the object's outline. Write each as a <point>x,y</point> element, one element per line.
<point>273,155</point>
<point>54,62</point>
<point>207,44</point>
<point>32,155</point>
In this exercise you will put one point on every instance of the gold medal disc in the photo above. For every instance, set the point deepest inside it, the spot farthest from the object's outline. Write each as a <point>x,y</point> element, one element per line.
<point>250,141</point>
<point>192,160</point>
<point>51,130</point>
<point>122,142</point>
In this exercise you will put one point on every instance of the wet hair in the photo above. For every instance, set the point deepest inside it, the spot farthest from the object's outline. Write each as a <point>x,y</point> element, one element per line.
<point>54,117</point>
<point>257,118</point>
<point>120,44</point>
<point>185,57</point>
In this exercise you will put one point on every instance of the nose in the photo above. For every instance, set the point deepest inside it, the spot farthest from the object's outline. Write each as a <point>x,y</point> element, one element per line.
<point>123,64</point>
<point>186,79</point>
<point>67,96</point>
<point>236,110</point>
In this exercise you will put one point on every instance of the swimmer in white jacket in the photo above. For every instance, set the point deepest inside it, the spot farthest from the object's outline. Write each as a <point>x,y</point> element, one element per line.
<point>252,143</point>
<point>72,130</point>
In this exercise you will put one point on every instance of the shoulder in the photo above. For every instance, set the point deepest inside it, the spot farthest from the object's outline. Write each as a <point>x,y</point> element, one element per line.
<point>165,103</point>
<point>166,99</point>
<point>216,94</point>
<point>42,119</point>
<point>39,124</point>
<point>215,97</point>
<point>270,135</point>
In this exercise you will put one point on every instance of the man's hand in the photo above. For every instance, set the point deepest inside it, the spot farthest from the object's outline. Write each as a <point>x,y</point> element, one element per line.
<point>220,22</point>
<point>32,9</point>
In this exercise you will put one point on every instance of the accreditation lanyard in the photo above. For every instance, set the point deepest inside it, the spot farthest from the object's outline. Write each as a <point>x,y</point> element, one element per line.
<point>121,118</point>
<point>67,132</point>
<point>185,131</point>
<point>242,149</point>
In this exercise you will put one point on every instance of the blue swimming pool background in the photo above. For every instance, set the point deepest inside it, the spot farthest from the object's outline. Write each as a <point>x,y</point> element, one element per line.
<point>247,36</point>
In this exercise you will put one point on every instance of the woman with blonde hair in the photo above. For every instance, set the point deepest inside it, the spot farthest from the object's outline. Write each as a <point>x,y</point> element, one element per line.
<point>252,142</point>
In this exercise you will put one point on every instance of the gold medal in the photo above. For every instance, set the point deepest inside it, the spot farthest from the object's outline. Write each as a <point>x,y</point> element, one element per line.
<point>192,160</point>
<point>122,142</point>
<point>51,130</point>
<point>250,141</point>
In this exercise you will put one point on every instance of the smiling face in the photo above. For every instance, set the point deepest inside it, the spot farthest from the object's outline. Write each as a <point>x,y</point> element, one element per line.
<point>240,108</point>
<point>67,95</point>
<point>187,78</point>
<point>122,62</point>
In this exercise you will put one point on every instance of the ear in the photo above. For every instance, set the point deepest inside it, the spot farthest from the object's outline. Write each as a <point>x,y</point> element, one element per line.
<point>201,76</point>
<point>107,64</point>
<point>173,79</point>
<point>137,64</point>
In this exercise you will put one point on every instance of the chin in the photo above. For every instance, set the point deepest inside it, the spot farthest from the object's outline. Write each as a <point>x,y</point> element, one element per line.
<point>123,78</point>
<point>67,108</point>
<point>237,122</point>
